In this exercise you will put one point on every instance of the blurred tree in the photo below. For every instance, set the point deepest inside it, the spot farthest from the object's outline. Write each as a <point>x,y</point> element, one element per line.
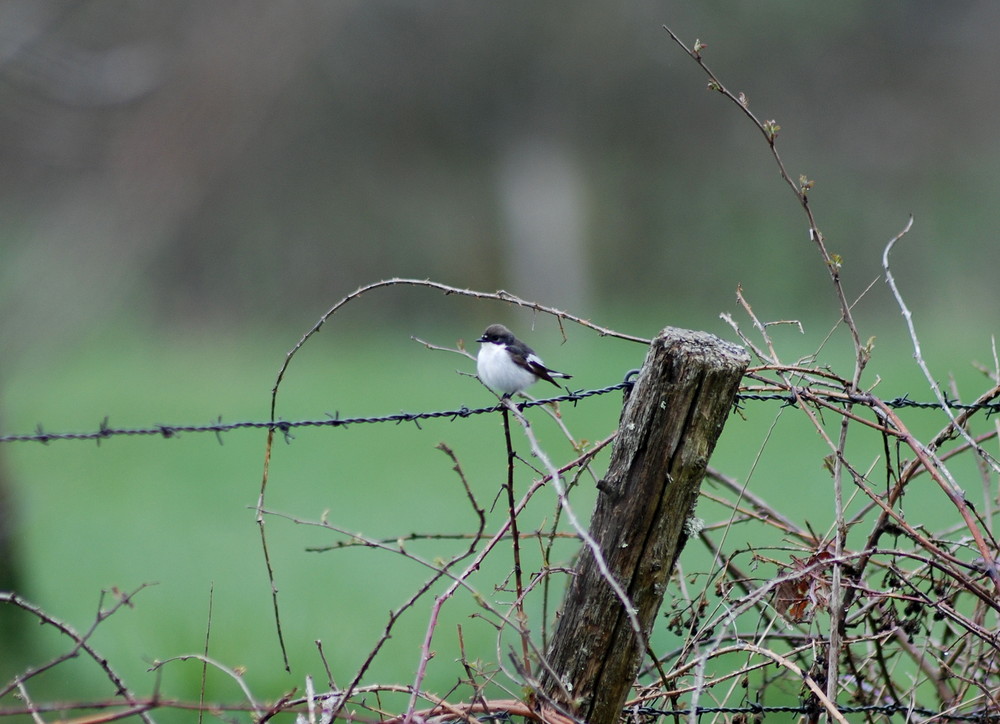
<point>203,160</point>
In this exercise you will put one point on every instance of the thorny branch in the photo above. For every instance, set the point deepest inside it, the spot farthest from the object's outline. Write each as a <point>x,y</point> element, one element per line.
<point>81,643</point>
<point>888,421</point>
<point>501,296</point>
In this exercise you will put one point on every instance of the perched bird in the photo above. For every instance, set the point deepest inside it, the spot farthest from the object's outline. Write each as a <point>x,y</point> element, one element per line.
<point>507,365</point>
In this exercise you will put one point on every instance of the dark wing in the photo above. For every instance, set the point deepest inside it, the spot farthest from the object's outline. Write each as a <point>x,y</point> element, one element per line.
<point>527,359</point>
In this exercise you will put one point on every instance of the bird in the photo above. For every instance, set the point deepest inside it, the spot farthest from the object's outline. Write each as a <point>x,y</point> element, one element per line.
<point>507,365</point>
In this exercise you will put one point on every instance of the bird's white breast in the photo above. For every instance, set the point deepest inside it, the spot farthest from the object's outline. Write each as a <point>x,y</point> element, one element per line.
<point>499,373</point>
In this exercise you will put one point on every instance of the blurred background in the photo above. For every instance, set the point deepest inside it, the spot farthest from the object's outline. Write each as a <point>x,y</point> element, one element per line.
<point>186,187</point>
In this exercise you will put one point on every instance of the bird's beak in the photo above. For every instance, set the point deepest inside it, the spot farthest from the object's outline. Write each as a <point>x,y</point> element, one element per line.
<point>481,339</point>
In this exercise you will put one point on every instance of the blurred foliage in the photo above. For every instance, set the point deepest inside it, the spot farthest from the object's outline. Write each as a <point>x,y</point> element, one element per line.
<point>203,161</point>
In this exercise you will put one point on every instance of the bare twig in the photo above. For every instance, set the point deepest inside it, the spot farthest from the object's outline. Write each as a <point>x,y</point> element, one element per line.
<point>232,674</point>
<point>501,296</point>
<point>81,643</point>
<point>516,546</point>
<point>564,505</point>
<point>918,355</point>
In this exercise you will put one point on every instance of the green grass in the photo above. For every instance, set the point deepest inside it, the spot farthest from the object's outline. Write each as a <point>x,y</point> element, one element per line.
<point>178,513</point>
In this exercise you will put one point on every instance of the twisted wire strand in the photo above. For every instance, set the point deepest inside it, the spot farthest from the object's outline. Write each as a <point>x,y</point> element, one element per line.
<point>106,431</point>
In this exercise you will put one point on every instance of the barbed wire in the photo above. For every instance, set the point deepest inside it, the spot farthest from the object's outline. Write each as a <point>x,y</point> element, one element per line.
<point>990,408</point>
<point>105,431</point>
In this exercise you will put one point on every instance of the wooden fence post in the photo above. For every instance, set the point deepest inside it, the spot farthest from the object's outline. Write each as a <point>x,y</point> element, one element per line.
<point>668,429</point>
